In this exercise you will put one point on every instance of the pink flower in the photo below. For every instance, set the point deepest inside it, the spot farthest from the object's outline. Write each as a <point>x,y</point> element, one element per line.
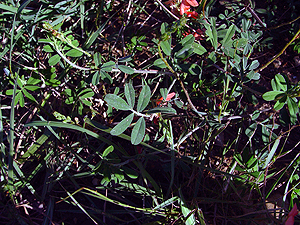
<point>184,7</point>
<point>156,116</point>
<point>291,216</point>
<point>169,97</point>
<point>193,3</point>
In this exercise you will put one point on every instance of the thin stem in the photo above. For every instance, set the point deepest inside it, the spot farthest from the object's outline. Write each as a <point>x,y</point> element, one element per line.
<point>178,78</point>
<point>280,53</point>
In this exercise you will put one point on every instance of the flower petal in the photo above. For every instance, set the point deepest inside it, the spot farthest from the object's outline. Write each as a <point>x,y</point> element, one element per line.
<point>294,211</point>
<point>290,221</point>
<point>169,97</point>
<point>184,7</point>
<point>192,14</point>
<point>193,3</point>
<point>291,216</point>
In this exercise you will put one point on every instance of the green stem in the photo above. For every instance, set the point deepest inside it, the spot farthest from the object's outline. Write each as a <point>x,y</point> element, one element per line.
<point>280,53</point>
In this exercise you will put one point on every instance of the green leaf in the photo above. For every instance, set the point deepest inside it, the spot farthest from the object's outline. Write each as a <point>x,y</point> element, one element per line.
<point>108,150</point>
<point>20,99</point>
<point>122,126</point>
<point>144,98</point>
<point>9,92</point>
<point>254,65</point>
<point>108,66</point>
<point>278,105</point>
<point>166,46</point>
<point>138,131</point>
<point>54,60</point>
<point>96,78</point>
<point>86,102</point>
<point>271,95</point>
<point>160,63</point>
<point>106,77</point>
<point>164,92</point>
<point>87,93</point>
<point>32,88</point>
<point>253,76</point>
<point>184,52</point>
<point>74,53</point>
<point>126,69</point>
<point>130,94</point>
<point>48,48</point>
<point>251,129</point>
<point>292,105</point>
<point>281,82</point>
<point>188,40</point>
<point>97,59</point>
<point>227,41</point>
<point>28,95</point>
<point>198,49</point>
<point>162,110</point>
<point>271,153</point>
<point>212,34</point>
<point>125,59</point>
<point>116,102</point>
<point>190,217</point>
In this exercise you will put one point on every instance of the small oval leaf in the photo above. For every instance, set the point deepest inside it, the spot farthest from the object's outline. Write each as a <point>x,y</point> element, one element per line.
<point>126,69</point>
<point>160,63</point>
<point>54,60</point>
<point>271,95</point>
<point>74,53</point>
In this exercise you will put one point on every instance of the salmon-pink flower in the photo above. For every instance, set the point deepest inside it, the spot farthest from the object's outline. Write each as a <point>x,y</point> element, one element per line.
<point>193,3</point>
<point>156,116</point>
<point>291,216</point>
<point>184,7</point>
<point>169,97</point>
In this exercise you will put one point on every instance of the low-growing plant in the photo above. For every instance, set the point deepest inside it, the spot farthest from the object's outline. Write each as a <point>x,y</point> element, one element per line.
<point>114,120</point>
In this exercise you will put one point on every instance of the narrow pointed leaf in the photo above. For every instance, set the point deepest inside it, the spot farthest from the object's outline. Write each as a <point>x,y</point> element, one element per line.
<point>130,94</point>
<point>144,98</point>
<point>116,102</point>
<point>122,126</point>
<point>138,131</point>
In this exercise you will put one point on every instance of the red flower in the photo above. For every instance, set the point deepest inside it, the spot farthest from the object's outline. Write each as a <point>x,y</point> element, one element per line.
<point>291,216</point>
<point>192,14</point>
<point>198,34</point>
<point>139,149</point>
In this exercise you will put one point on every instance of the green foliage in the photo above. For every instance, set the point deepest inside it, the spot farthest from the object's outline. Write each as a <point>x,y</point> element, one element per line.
<point>113,113</point>
<point>284,93</point>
